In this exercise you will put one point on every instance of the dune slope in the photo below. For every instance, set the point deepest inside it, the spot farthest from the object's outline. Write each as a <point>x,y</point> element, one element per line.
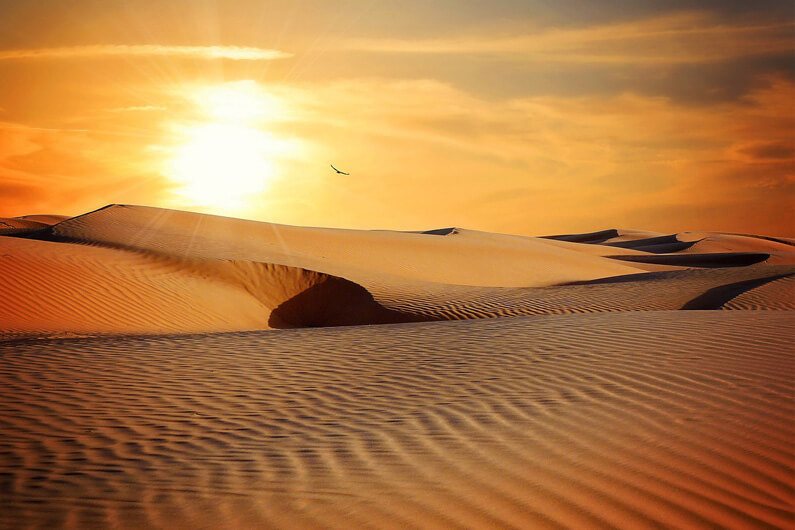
<point>49,287</point>
<point>353,254</point>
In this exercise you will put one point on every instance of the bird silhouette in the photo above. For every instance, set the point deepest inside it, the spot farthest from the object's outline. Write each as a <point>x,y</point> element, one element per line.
<point>338,171</point>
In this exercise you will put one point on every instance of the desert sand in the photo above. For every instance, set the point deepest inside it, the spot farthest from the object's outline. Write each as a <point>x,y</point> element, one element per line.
<point>168,369</point>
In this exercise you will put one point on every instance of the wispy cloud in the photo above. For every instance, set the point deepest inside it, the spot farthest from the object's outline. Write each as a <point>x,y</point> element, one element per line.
<point>138,108</point>
<point>549,162</point>
<point>69,170</point>
<point>236,53</point>
<point>675,39</point>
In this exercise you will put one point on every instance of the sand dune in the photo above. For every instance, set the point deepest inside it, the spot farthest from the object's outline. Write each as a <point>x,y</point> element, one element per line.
<point>685,242</point>
<point>47,219</point>
<point>620,378</point>
<point>145,270</point>
<point>716,242</point>
<point>13,226</point>
<point>28,223</point>
<point>707,241</point>
<point>47,287</point>
<point>624,420</point>
<point>657,291</point>
<point>91,289</point>
<point>354,254</point>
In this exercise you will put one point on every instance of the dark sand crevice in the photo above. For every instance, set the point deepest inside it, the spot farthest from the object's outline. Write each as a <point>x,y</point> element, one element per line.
<point>664,248</point>
<point>441,231</point>
<point>590,237</point>
<point>635,243</point>
<point>717,296</point>
<point>655,245</point>
<point>712,260</point>
<point>334,301</point>
<point>760,271</point>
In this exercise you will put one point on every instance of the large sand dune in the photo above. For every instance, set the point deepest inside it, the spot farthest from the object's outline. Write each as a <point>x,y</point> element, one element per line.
<point>620,378</point>
<point>135,269</point>
<point>459,260</point>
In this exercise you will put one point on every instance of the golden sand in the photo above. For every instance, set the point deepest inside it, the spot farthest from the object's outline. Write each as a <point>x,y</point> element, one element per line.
<point>620,379</point>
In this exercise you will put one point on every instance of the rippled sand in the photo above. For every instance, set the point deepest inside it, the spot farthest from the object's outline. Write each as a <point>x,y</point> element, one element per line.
<point>631,420</point>
<point>449,379</point>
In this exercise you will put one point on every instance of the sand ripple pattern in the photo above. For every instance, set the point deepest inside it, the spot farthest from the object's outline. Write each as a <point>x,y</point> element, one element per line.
<point>656,291</point>
<point>630,420</point>
<point>778,294</point>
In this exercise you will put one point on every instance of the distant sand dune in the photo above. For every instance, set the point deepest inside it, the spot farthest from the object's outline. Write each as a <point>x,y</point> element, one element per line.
<point>717,242</point>
<point>28,223</point>
<point>12,226</point>
<point>657,291</point>
<point>625,420</point>
<point>47,219</point>
<point>694,242</point>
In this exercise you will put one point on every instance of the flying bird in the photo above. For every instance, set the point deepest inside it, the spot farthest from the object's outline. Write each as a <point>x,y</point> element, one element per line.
<point>338,171</point>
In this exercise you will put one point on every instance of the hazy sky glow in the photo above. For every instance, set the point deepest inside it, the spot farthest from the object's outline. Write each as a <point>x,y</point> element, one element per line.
<point>517,116</point>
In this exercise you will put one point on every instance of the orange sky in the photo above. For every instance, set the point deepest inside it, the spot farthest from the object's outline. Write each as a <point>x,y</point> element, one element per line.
<point>516,116</point>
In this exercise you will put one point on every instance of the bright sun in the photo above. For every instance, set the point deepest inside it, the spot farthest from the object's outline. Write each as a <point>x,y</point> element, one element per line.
<point>228,157</point>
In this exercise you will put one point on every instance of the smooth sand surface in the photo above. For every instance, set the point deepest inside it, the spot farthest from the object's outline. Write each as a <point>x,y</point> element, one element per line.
<point>620,378</point>
<point>355,253</point>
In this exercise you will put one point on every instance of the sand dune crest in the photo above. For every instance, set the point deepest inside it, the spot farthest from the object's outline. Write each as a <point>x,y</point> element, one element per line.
<point>352,254</point>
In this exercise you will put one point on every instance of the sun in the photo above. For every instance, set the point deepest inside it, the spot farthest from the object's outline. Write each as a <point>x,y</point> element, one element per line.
<point>229,156</point>
<point>223,164</point>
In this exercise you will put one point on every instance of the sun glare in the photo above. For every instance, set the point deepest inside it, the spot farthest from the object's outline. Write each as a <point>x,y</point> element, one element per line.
<point>241,102</point>
<point>229,156</point>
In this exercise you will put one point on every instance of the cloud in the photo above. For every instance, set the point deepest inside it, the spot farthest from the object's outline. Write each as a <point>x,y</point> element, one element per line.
<point>138,108</point>
<point>683,38</point>
<point>543,164</point>
<point>425,154</point>
<point>236,53</point>
<point>70,171</point>
<point>767,152</point>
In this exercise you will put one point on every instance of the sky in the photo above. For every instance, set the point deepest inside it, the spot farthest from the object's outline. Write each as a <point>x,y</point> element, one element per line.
<point>518,116</point>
